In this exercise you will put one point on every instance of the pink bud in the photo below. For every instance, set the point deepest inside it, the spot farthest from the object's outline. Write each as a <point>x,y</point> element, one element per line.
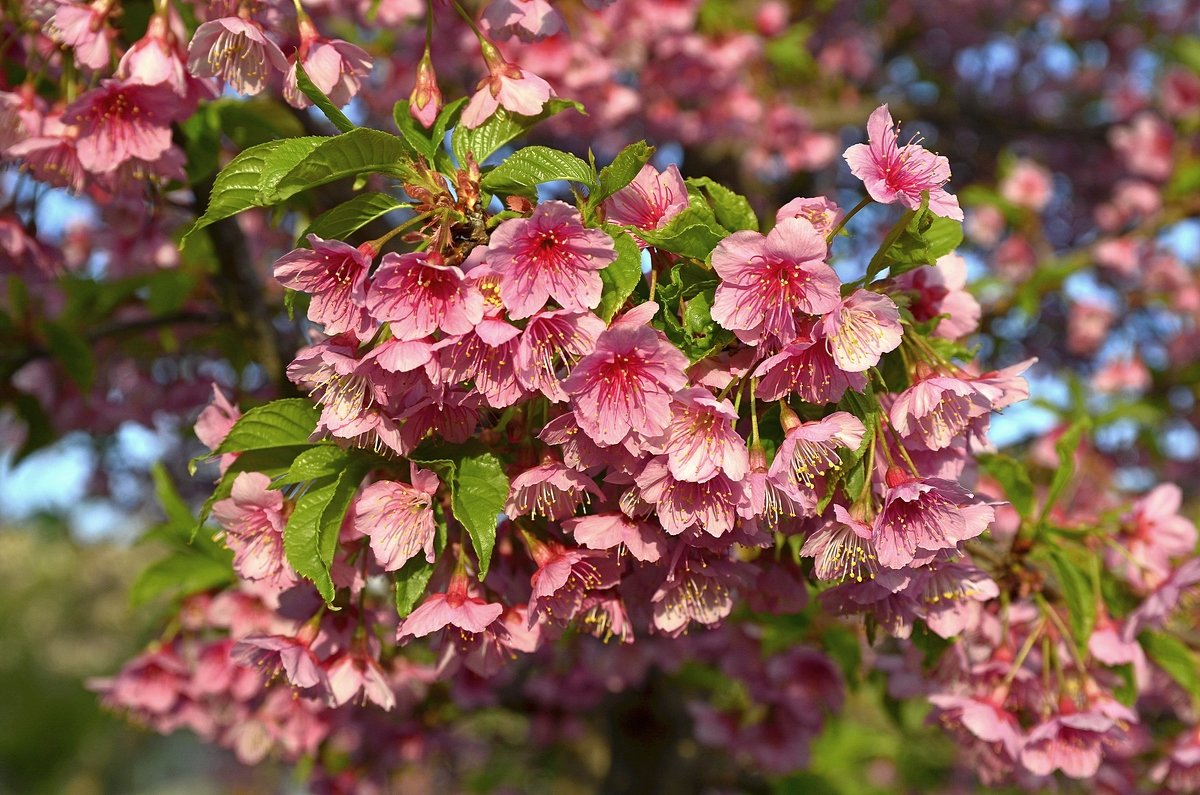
<point>426,99</point>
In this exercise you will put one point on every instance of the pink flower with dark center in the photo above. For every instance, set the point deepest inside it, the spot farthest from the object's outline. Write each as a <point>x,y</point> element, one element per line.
<point>1151,536</point>
<point>506,86</point>
<point>452,415</point>
<point>842,549</point>
<point>769,282</point>
<point>698,589</point>
<point>416,294</point>
<point>1145,146</point>
<point>358,671</point>
<point>894,173</point>
<point>335,275</point>
<point>398,518</point>
<point>810,449</point>
<point>863,327</point>
<point>644,540</point>
<point>528,20</point>
<point>580,452</point>
<point>236,51</point>
<point>565,577</point>
<point>806,368</point>
<point>552,342</point>
<point>981,721</point>
<point>1072,742</point>
<point>487,355</point>
<point>822,213</point>
<point>709,506</point>
<point>122,121</point>
<point>334,66</point>
<point>939,290</point>
<point>923,515</point>
<point>935,411</point>
<point>700,441</point>
<point>651,200</point>
<point>252,516</point>
<point>275,654</point>
<point>1027,185</point>
<point>549,255</point>
<point>625,385</point>
<point>551,491</point>
<point>85,28</point>
<point>456,607</point>
<point>153,682</point>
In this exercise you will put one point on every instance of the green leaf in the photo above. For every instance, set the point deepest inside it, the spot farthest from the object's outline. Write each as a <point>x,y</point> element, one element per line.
<point>277,424</point>
<point>535,165</point>
<point>179,515</point>
<point>501,128</point>
<point>311,534</point>
<point>621,171</point>
<point>411,581</point>
<point>250,179</point>
<point>322,101</point>
<point>1066,446</point>
<point>621,277</point>
<point>181,574</point>
<point>249,122</point>
<point>1013,478</point>
<point>693,233</point>
<point>1078,594</point>
<point>320,461</point>
<point>732,210</point>
<point>480,491</point>
<point>1175,658</point>
<point>72,351</point>
<point>349,154</point>
<point>270,461</point>
<point>347,218</point>
<point>919,238</point>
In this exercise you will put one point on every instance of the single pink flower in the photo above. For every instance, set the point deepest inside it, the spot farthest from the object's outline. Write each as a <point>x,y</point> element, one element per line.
<point>651,200</point>
<point>944,593</point>
<point>334,66</point>
<point>335,275</point>
<point>157,59</point>
<point>122,121</point>
<point>923,515</point>
<point>398,518</point>
<point>894,612</point>
<point>810,449</point>
<point>528,20</point>
<point>699,590</point>
<point>1006,386</point>
<point>1072,742</point>
<point>1027,184</point>
<point>806,368</point>
<point>549,255</point>
<point>425,102</point>
<point>358,671</point>
<point>486,355</point>
<point>550,490</point>
<point>709,506</point>
<point>981,720</point>
<point>1151,536</point>
<point>273,654</point>
<point>1164,600</point>
<point>1145,146</point>
<point>452,414</point>
<point>216,420</point>
<point>863,327</point>
<point>644,540</point>
<point>348,385</point>
<point>841,549</point>
<point>700,441</point>
<point>939,290</point>
<point>456,607</point>
<point>252,516</point>
<point>551,344</point>
<point>85,28</point>
<point>417,294</point>
<point>819,211</point>
<point>625,385</point>
<point>935,411</point>
<point>237,51</point>
<point>894,173</point>
<point>153,682</point>
<point>580,452</point>
<point>507,86</point>
<point>52,155</point>
<point>772,499</point>
<point>768,282</point>
<point>565,577</point>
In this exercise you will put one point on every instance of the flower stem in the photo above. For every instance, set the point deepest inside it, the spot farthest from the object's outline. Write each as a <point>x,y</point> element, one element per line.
<point>846,219</point>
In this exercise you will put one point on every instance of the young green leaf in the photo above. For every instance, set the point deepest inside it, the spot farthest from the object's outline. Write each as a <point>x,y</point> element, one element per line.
<point>621,276</point>
<point>693,233</point>
<point>276,424</point>
<point>621,171</point>
<point>501,128</point>
<point>732,210</point>
<point>411,581</point>
<point>1078,594</point>
<point>322,101</point>
<point>347,218</point>
<point>1175,658</point>
<point>182,573</point>
<point>480,491</point>
<point>1066,446</point>
<point>360,151</point>
<point>310,536</point>
<point>535,165</point>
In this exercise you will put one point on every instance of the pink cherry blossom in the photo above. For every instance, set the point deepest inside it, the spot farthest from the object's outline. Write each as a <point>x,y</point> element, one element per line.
<point>359,671</point>
<point>819,211</point>
<point>121,121</point>
<point>335,274</point>
<point>456,607</point>
<point>940,290</point>
<point>565,577</point>
<point>805,367</point>
<point>700,441</point>
<point>252,516</point>
<point>398,518</point>
<point>774,500</point>
<point>1145,146</point>
<point>156,59</point>
<point>863,327</point>
<point>1152,535</point>
<point>644,540</point>
<point>549,490</point>
<point>625,385</point>
<point>1027,184</point>
<point>417,294</point>
<point>924,515</point>
<point>273,654</point>
<point>768,282</point>
<point>85,28</point>
<point>935,411</point>
<point>1071,742</point>
<point>216,420</point>
<point>709,506</point>
<point>507,86</point>
<point>651,200</point>
<point>334,66</point>
<point>488,356</point>
<point>551,343</point>
<point>894,173</point>
<point>237,51</point>
<point>528,20</point>
<point>841,548</point>
<point>425,102</point>
<point>810,449</point>
<point>549,255</point>
<point>699,590</point>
